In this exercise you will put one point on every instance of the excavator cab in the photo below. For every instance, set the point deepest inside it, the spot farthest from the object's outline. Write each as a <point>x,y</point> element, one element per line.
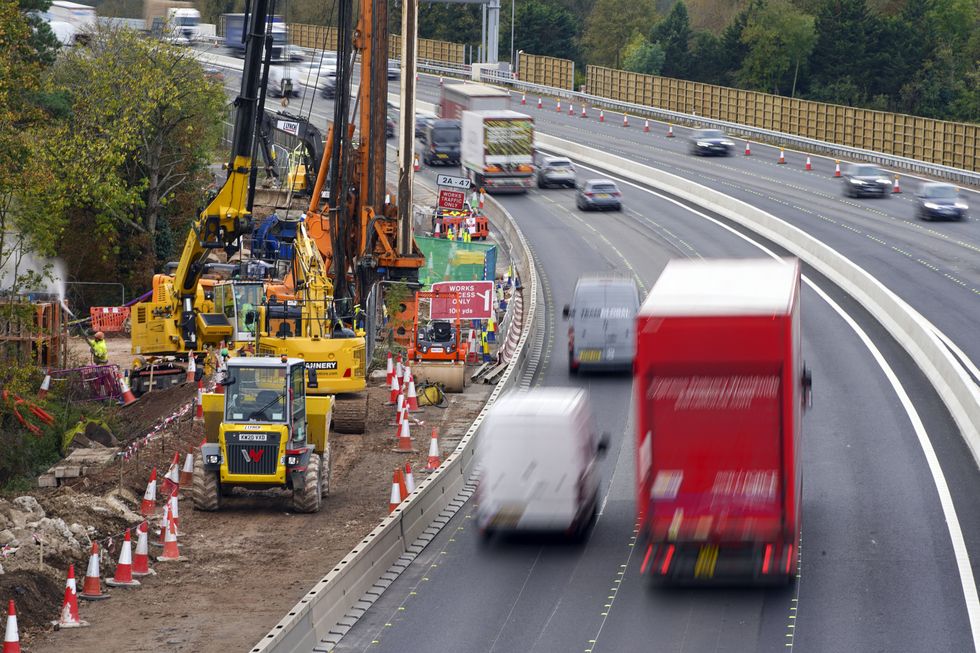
<point>236,300</point>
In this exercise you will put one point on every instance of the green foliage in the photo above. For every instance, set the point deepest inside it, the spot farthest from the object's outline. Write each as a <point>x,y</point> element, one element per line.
<point>673,34</point>
<point>611,24</point>
<point>541,27</point>
<point>779,38</point>
<point>641,56</point>
<point>42,40</point>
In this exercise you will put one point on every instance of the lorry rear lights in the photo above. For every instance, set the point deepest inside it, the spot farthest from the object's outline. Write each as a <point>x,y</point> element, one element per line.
<point>667,558</point>
<point>767,559</point>
<point>646,559</point>
<point>789,557</point>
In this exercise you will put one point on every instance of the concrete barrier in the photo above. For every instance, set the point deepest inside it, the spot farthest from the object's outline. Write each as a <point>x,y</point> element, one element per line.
<point>919,337</point>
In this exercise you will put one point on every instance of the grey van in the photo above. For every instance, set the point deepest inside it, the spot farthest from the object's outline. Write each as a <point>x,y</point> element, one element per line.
<point>601,331</point>
<point>441,142</point>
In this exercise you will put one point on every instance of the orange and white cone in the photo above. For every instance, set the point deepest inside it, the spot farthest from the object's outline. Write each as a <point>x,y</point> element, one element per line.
<point>409,478</point>
<point>646,126</point>
<point>141,560</point>
<point>412,398</point>
<point>174,513</point>
<point>124,569</point>
<point>187,473</point>
<point>45,386</point>
<point>539,102</point>
<point>416,166</point>
<point>11,637</point>
<point>440,80</point>
<point>402,488</point>
<point>404,438</point>
<point>69,606</point>
<point>896,188</point>
<point>571,109</point>
<point>434,461</point>
<point>602,116</point>
<point>808,165</point>
<point>670,131</point>
<point>399,367</point>
<point>199,408</point>
<point>396,496</point>
<point>523,98</point>
<point>584,114</point>
<point>191,369</point>
<point>483,194</point>
<point>171,553</point>
<point>150,496</point>
<point>748,148</point>
<point>171,480</point>
<point>837,168</point>
<point>390,368</point>
<point>395,388</point>
<point>626,120</point>
<point>396,421</point>
<point>558,107</point>
<point>782,156</point>
<point>92,584</point>
<point>127,393</point>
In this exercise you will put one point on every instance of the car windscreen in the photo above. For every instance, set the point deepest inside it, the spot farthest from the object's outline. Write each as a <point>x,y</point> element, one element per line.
<point>941,192</point>
<point>446,135</point>
<point>867,171</point>
<point>603,188</point>
<point>711,133</point>
<point>559,163</point>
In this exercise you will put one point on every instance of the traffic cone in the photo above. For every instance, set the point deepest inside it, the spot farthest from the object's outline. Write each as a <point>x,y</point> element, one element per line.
<point>483,194</point>
<point>11,638</point>
<point>127,393</point>
<point>69,606</point>
<point>412,398</point>
<point>670,131</point>
<point>171,480</point>
<point>174,513</point>
<point>402,488</point>
<point>396,496</point>
<point>171,553</point>
<point>390,369</point>
<point>124,569</point>
<point>626,120</point>
<point>162,527</point>
<point>416,166</point>
<point>187,473</point>
<point>602,116</point>
<point>523,99</point>
<point>646,126</point>
<point>399,406</point>
<point>539,102</point>
<point>808,166</point>
<point>558,107</point>
<point>837,168</point>
<point>141,560</point>
<point>399,367</point>
<point>395,387</point>
<point>409,478</point>
<point>191,369</point>
<point>92,585</point>
<point>584,114</point>
<point>405,438</point>
<point>199,408</point>
<point>150,496</point>
<point>45,386</point>
<point>896,188</point>
<point>406,375</point>
<point>434,461</point>
<point>571,109</point>
<point>782,156</point>
<point>440,80</point>
<point>748,148</point>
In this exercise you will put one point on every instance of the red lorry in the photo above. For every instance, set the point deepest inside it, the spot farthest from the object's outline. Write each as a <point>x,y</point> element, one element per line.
<point>720,389</point>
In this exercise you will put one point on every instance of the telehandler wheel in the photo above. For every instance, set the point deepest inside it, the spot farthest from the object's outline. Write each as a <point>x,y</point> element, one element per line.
<point>326,471</point>
<point>349,413</point>
<point>308,499</point>
<point>206,490</point>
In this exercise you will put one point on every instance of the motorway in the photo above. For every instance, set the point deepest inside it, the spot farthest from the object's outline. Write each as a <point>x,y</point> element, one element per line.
<point>878,569</point>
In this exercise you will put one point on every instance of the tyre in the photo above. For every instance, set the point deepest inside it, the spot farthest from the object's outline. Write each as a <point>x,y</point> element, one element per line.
<point>307,500</point>
<point>326,471</point>
<point>206,489</point>
<point>540,184</point>
<point>572,365</point>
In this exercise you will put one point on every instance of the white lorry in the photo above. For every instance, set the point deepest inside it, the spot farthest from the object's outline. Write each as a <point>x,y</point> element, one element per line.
<point>70,21</point>
<point>174,21</point>
<point>497,150</point>
<point>538,452</point>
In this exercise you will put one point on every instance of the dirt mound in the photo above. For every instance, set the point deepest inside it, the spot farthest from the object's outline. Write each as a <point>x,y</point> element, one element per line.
<point>136,420</point>
<point>37,596</point>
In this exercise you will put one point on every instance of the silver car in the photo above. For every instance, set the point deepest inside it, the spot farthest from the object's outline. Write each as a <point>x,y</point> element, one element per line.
<point>601,330</point>
<point>599,194</point>
<point>556,171</point>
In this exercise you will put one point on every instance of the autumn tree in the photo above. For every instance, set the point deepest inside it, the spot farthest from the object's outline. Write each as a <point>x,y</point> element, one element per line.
<point>641,56</point>
<point>611,24</point>
<point>779,38</point>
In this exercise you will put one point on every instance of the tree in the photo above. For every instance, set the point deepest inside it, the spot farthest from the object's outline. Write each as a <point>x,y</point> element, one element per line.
<point>710,62</point>
<point>610,25</point>
<point>779,38</point>
<point>42,40</point>
<point>841,57</point>
<point>542,27</point>
<point>641,56</point>
<point>673,34</point>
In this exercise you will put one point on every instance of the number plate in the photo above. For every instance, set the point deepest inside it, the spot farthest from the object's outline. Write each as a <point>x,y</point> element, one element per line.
<point>602,196</point>
<point>252,437</point>
<point>442,156</point>
<point>436,350</point>
<point>590,355</point>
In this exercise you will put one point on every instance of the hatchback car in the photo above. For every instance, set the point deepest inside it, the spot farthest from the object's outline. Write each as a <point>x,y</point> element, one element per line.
<point>599,194</point>
<point>865,180</point>
<point>711,142</point>
<point>556,171</point>
<point>938,201</point>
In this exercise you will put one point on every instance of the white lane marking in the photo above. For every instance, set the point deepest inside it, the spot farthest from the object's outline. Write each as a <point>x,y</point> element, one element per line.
<point>960,552</point>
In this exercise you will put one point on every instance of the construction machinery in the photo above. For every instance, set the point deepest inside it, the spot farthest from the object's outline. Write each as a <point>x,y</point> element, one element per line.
<point>264,432</point>
<point>437,350</point>
<point>302,140</point>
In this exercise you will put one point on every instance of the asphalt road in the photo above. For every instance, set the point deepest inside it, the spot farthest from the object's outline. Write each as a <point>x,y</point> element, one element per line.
<point>877,563</point>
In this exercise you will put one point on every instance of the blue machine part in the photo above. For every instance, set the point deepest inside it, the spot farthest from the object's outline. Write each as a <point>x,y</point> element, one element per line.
<point>274,237</point>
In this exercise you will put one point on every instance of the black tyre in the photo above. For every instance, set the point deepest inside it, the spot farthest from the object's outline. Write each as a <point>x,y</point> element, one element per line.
<point>307,500</point>
<point>206,489</point>
<point>326,471</point>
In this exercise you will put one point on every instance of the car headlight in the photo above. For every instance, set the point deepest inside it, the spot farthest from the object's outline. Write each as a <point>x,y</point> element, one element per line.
<point>961,206</point>
<point>704,144</point>
<point>931,205</point>
<point>857,182</point>
<point>728,143</point>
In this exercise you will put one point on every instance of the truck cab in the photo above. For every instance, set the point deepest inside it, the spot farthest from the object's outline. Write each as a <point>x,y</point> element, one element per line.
<point>441,139</point>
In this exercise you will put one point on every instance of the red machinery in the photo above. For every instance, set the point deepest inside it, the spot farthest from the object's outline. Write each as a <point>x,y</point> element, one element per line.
<point>440,338</point>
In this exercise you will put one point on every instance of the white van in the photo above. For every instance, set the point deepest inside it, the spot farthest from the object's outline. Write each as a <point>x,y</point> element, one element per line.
<point>539,453</point>
<point>601,331</point>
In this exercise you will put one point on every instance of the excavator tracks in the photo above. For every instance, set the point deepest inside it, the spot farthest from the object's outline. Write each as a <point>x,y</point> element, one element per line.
<point>350,413</point>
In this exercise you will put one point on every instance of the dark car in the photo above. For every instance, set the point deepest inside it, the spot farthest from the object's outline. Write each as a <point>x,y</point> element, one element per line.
<point>938,201</point>
<point>329,88</point>
<point>390,127</point>
<point>440,143</point>
<point>711,142</point>
<point>422,121</point>
<point>556,171</point>
<point>865,180</point>
<point>599,194</point>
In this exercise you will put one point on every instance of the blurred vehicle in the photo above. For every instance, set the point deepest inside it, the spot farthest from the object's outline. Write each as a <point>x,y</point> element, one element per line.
<point>598,194</point>
<point>601,323</point>
<point>215,73</point>
<point>329,88</point>
<point>313,74</point>
<point>720,388</point>
<point>556,171</point>
<point>390,127</point>
<point>280,83</point>
<point>394,69</point>
<point>706,142</point>
<point>538,451</point>
<point>295,54</point>
<point>861,179</point>
<point>939,201</point>
<point>440,142</point>
<point>422,120</point>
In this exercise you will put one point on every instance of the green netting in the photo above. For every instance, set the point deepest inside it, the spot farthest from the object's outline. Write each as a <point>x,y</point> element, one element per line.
<point>450,260</point>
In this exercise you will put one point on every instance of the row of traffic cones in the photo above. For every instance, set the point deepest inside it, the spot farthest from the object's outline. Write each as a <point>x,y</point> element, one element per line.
<point>403,481</point>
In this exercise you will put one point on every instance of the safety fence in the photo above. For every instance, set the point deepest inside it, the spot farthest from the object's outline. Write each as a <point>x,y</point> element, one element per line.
<point>937,141</point>
<point>322,37</point>
<point>33,332</point>
<point>109,319</point>
<point>547,71</point>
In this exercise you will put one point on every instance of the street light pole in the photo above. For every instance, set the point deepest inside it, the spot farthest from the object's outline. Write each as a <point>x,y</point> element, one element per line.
<point>513,66</point>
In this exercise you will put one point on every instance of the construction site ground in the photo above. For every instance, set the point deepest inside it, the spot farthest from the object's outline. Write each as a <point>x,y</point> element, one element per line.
<point>246,565</point>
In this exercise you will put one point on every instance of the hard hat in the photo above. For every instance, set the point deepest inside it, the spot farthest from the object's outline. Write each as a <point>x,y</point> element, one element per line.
<point>99,335</point>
